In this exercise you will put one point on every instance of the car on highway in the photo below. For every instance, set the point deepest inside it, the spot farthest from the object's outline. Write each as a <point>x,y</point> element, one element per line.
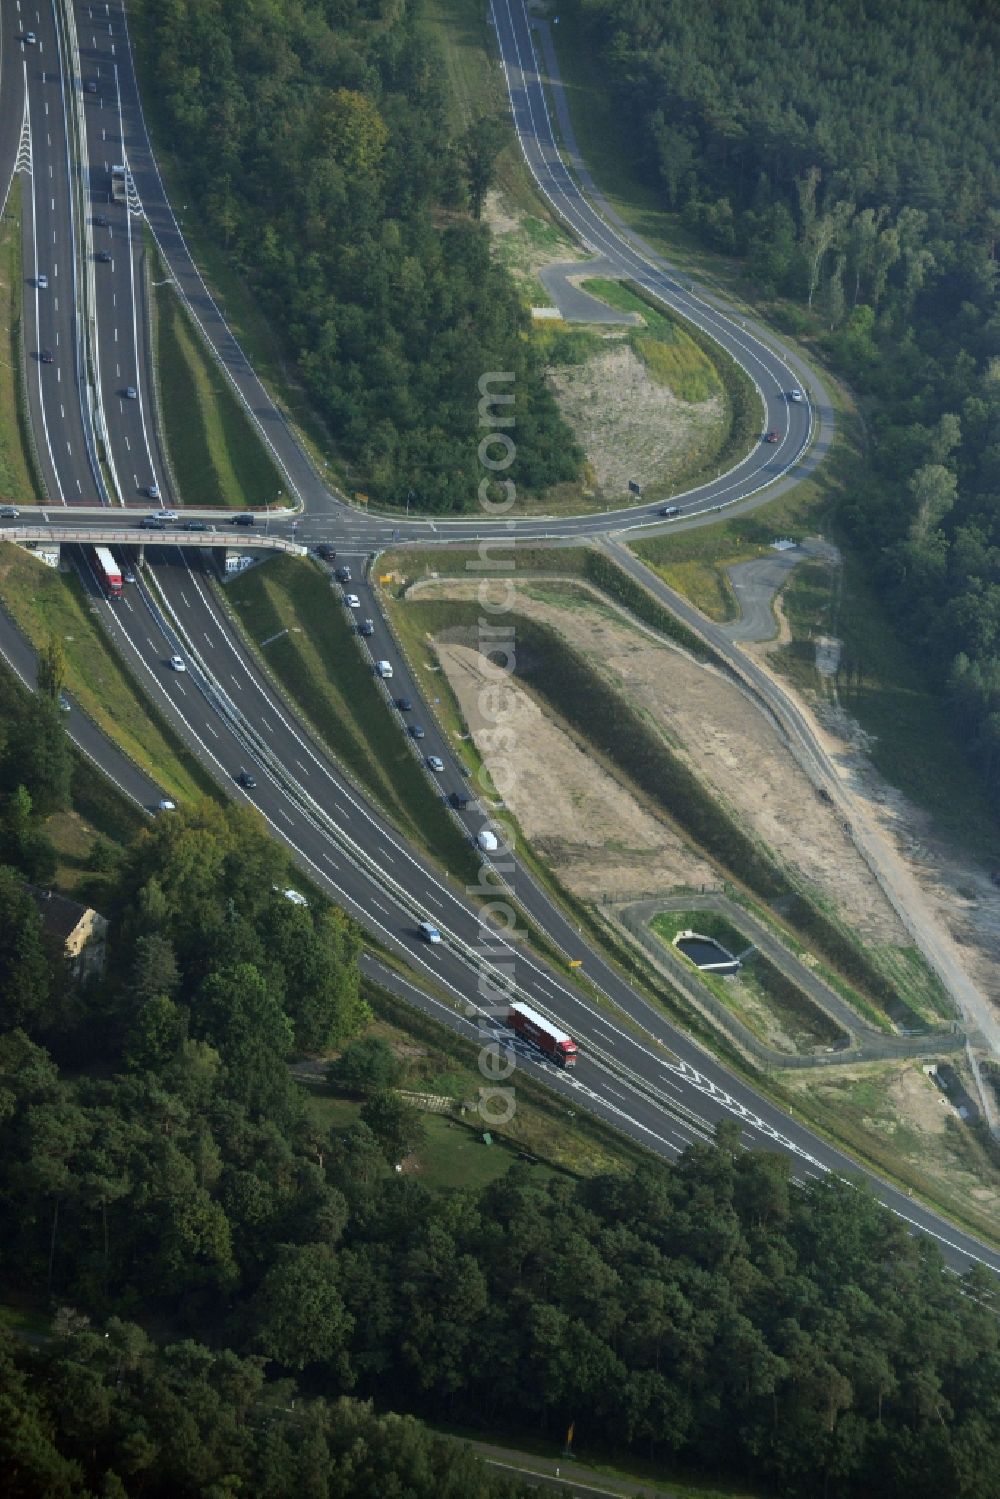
<point>772,436</point>
<point>459,801</point>
<point>131,394</point>
<point>245,518</point>
<point>9,512</point>
<point>153,490</point>
<point>668,511</point>
<point>101,221</point>
<point>30,38</point>
<point>366,627</point>
<point>326,552</point>
<point>42,283</point>
<point>90,86</point>
<point>128,575</point>
<point>196,525</point>
<point>404,705</point>
<point>104,256</point>
<point>165,515</point>
<point>45,355</point>
<point>150,523</point>
<point>177,663</point>
<point>796,395</point>
<point>65,706</point>
<point>245,779</point>
<point>166,805</point>
<point>429,931</point>
<point>352,601</point>
<point>343,575</point>
<point>435,763</point>
<point>415,731</point>
<point>383,669</point>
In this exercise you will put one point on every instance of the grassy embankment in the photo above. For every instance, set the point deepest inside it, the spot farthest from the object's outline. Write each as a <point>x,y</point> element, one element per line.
<point>216,454</point>
<point>761,994</point>
<point>19,479</point>
<point>289,604</point>
<point>47,603</point>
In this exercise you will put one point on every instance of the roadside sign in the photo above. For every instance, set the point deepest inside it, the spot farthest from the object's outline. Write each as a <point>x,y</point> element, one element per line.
<point>634,488</point>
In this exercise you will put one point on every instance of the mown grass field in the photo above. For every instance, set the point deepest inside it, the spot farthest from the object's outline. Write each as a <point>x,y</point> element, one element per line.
<point>217,456</point>
<point>18,479</point>
<point>44,602</point>
<point>671,357</point>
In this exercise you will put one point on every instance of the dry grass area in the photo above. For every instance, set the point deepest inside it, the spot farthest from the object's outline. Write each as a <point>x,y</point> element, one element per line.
<point>716,730</point>
<point>576,816</point>
<point>897,1106</point>
<point>630,425</point>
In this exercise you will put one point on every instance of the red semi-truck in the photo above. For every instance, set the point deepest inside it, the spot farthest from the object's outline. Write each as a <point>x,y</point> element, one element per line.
<point>109,572</point>
<point>555,1043</point>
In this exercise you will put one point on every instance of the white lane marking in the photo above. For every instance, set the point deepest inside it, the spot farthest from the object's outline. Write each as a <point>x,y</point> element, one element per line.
<point>302,767</point>
<point>184,597</point>
<point>211,730</point>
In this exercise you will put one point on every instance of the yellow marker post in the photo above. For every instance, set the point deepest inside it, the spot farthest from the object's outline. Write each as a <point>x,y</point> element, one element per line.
<point>576,962</point>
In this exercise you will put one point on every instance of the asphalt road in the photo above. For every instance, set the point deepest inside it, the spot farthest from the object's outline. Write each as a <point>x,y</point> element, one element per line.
<point>635,1070</point>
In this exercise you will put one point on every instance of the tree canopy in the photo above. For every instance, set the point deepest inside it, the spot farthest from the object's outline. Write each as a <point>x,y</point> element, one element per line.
<point>315,138</point>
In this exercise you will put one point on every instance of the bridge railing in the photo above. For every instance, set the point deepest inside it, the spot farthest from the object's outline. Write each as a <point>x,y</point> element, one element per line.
<point>135,536</point>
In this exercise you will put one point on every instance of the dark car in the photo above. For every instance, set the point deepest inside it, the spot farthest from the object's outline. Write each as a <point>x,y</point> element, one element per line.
<point>366,627</point>
<point>247,518</point>
<point>343,575</point>
<point>45,355</point>
<point>104,256</point>
<point>90,86</point>
<point>151,523</point>
<point>327,552</point>
<point>194,525</point>
<point>404,705</point>
<point>670,510</point>
<point>246,779</point>
<point>415,731</point>
<point>773,437</point>
<point>459,802</point>
<point>100,221</point>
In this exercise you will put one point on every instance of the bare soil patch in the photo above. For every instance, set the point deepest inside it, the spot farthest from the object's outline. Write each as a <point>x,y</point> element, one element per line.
<point>724,740</point>
<point>630,426</point>
<point>576,816</point>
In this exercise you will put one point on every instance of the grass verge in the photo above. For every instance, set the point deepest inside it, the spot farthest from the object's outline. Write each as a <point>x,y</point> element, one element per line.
<point>768,1003</point>
<point>294,617</point>
<point>216,455</point>
<point>18,477</point>
<point>47,603</point>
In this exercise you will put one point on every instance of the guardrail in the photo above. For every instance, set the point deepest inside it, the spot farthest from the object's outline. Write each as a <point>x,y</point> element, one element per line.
<point>136,536</point>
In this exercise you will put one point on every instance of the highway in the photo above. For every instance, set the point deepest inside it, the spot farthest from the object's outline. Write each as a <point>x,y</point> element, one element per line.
<point>636,1070</point>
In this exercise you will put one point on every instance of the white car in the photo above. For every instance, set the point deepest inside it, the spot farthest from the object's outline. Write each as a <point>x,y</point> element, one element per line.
<point>435,763</point>
<point>177,663</point>
<point>166,805</point>
<point>165,515</point>
<point>42,283</point>
<point>384,669</point>
<point>30,38</point>
<point>796,395</point>
<point>352,601</point>
<point>296,897</point>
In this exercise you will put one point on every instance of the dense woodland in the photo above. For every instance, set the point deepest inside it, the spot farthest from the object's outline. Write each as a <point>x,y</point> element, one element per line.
<point>314,137</point>
<point>167,1190</point>
<point>849,153</point>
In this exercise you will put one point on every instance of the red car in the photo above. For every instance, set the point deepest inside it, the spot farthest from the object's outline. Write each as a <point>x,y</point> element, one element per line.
<point>773,437</point>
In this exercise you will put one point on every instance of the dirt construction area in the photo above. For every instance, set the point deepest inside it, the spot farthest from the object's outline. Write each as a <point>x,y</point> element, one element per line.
<point>574,812</point>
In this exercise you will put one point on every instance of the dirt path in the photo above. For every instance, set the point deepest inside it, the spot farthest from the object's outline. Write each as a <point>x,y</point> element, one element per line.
<point>719,733</point>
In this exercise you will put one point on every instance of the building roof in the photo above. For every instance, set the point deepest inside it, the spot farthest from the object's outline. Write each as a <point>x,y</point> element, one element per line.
<point>60,916</point>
